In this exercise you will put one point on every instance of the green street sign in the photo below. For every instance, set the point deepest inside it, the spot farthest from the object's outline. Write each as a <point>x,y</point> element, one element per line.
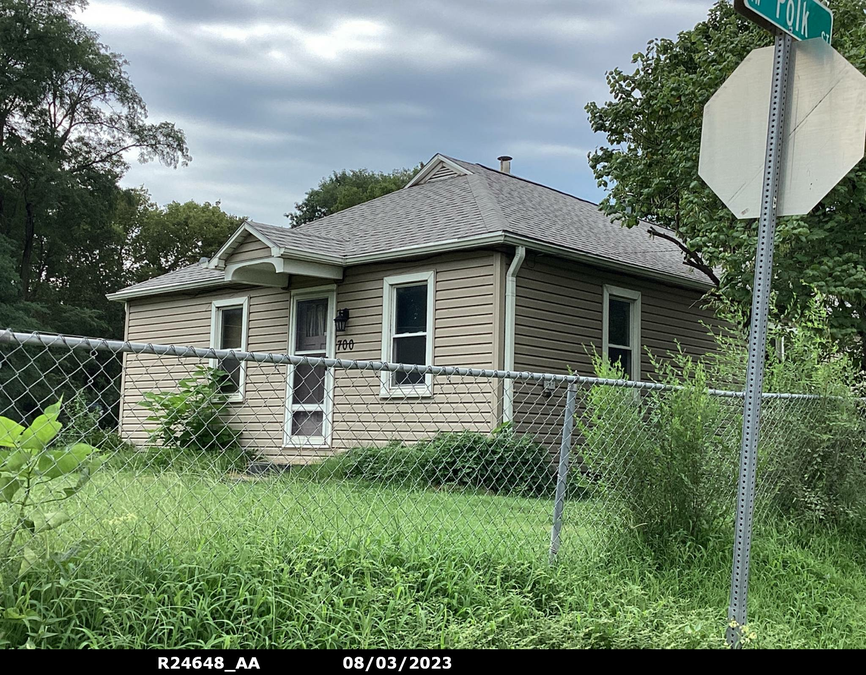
<point>802,19</point>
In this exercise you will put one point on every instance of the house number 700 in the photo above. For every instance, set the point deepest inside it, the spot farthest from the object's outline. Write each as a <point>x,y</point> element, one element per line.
<point>345,345</point>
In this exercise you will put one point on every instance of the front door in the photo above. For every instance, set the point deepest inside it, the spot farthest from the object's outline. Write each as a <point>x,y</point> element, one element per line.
<point>309,398</point>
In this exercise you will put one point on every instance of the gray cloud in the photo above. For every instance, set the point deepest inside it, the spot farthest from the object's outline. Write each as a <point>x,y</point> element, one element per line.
<point>274,95</point>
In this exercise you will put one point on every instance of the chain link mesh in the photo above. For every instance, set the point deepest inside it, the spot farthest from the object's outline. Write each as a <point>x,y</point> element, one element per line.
<point>347,453</point>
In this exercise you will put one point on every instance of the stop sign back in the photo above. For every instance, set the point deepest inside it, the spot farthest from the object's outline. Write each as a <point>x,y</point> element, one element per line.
<point>825,130</point>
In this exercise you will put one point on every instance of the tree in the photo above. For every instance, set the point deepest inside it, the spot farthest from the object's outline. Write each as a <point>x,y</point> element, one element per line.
<point>347,188</point>
<point>650,169</point>
<point>166,239</point>
<point>68,117</point>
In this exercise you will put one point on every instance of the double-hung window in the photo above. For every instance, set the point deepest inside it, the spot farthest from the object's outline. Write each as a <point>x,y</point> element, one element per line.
<point>407,332</point>
<point>621,329</point>
<point>229,319</point>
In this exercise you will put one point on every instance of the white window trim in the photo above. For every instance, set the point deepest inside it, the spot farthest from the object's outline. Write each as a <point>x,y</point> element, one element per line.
<point>324,441</point>
<point>634,299</point>
<point>389,286</point>
<point>215,327</point>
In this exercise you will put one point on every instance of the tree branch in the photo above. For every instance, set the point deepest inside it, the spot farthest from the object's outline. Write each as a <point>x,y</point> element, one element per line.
<point>692,259</point>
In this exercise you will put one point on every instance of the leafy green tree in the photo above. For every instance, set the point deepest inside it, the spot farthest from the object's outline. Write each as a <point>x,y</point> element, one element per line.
<point>347,188</point>
<point>650,168</point>
<point>168,238</point>
<point>68,117</point>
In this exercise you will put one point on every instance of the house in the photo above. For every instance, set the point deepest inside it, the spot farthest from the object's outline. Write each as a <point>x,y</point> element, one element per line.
<point>466,266</point>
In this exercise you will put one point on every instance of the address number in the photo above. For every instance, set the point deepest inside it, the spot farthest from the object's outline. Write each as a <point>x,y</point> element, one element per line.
<point>345,345</point>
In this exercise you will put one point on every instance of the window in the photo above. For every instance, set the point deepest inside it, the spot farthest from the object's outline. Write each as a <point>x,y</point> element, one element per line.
<point>229,331</point>
<point>621,329</point>
<point>310,387</point>
<point>407,332</point>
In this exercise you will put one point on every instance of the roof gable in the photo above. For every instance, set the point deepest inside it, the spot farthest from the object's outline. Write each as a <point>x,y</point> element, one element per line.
<point>439,167</point>
<point>241,235</point>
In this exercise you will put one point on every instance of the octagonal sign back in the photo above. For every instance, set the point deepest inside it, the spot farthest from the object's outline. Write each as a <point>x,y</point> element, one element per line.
<point>825,129</point>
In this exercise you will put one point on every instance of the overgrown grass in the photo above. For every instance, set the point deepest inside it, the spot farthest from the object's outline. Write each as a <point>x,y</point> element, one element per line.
<point>196,559</point>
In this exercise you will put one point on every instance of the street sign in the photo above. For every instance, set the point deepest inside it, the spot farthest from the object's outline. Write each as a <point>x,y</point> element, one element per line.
<point>824,130</point>
<point>802,19</point>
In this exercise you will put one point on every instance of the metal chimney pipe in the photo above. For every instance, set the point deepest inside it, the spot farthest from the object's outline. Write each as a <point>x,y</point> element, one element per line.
<point>505,163</point>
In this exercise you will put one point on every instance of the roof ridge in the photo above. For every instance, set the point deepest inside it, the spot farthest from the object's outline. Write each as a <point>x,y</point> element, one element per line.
<point>488,205</point>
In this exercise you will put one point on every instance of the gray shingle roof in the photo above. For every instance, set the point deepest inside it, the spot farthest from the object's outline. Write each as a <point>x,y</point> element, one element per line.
<point>190,274</point>
<point>484,202</point>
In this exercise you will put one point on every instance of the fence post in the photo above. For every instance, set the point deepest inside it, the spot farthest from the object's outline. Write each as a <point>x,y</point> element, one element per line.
<point>562,472</point>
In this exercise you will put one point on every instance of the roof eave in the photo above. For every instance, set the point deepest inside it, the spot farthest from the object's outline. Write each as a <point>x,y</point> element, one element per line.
<point>124,295</point>
<point>463,243</point>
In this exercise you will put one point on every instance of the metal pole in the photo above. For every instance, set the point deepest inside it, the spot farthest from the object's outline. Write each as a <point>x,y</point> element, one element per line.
<point>737,616</point>
<point>562,472</point>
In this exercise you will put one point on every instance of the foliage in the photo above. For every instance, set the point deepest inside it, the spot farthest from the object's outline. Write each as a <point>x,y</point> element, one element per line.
<point>190,418</point>
<point>503,462</point>
<point>165,239</point>
<point>813,452</point>
<point>68,117</point>
<point>660,453</point>
<point>35,475</point>
<point>297,564</point>
<point>649,166</point>
<point>344,189</point>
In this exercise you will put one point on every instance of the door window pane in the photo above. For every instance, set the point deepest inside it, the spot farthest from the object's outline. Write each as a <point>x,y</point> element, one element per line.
<point>411,310</point>
<point>308,423</point>
<point>619,322</point>
<point>309,384</point>
<point>622,357</point>
<point>311,325</point>
<point>410,350</point>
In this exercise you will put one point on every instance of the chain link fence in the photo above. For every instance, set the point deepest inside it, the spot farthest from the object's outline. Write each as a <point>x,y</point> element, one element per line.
<point>160,447</point>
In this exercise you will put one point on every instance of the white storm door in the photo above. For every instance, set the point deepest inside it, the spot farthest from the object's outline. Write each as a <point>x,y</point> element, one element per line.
<point>309,396</point>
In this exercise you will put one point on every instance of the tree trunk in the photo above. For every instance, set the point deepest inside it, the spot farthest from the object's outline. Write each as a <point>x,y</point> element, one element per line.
<point>27,252</point>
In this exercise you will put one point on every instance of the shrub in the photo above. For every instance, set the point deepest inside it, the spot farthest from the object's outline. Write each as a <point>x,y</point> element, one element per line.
<point>503,462</point>
<point>190,418</point>
<point>813,451</point>
<point>663,455</point>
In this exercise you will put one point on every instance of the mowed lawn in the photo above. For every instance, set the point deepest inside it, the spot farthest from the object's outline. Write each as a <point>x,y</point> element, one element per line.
<point>206,559</point>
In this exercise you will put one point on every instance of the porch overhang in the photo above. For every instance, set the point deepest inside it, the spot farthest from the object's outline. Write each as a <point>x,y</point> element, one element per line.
<point>276,271</point>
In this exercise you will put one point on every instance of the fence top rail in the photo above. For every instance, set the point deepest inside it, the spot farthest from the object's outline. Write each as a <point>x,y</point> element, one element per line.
<point>55,340</point>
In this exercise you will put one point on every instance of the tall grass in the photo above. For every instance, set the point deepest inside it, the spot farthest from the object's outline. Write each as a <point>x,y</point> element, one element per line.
<point>186,560</point>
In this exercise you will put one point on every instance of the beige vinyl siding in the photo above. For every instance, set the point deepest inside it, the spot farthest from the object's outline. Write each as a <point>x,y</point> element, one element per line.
<point>559,326</point>
<point>249,249</point>
<point>462,336</point>
<point>559,316</point>
<point>186,320</point>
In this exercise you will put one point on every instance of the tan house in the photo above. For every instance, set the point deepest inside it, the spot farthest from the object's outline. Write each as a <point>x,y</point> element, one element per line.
<point>465,266</point>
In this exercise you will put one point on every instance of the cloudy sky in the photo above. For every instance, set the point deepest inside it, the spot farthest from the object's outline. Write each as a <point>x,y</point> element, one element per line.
<point>275,94</point>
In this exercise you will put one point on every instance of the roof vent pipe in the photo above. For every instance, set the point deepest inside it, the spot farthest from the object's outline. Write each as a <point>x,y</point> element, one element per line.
<point>505,163</point>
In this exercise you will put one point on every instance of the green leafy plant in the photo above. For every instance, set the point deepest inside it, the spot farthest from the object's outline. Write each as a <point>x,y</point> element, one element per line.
<point>813,451</point>
<point>663,455</point>
<point>37,473</point>
<point>190,417</point>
